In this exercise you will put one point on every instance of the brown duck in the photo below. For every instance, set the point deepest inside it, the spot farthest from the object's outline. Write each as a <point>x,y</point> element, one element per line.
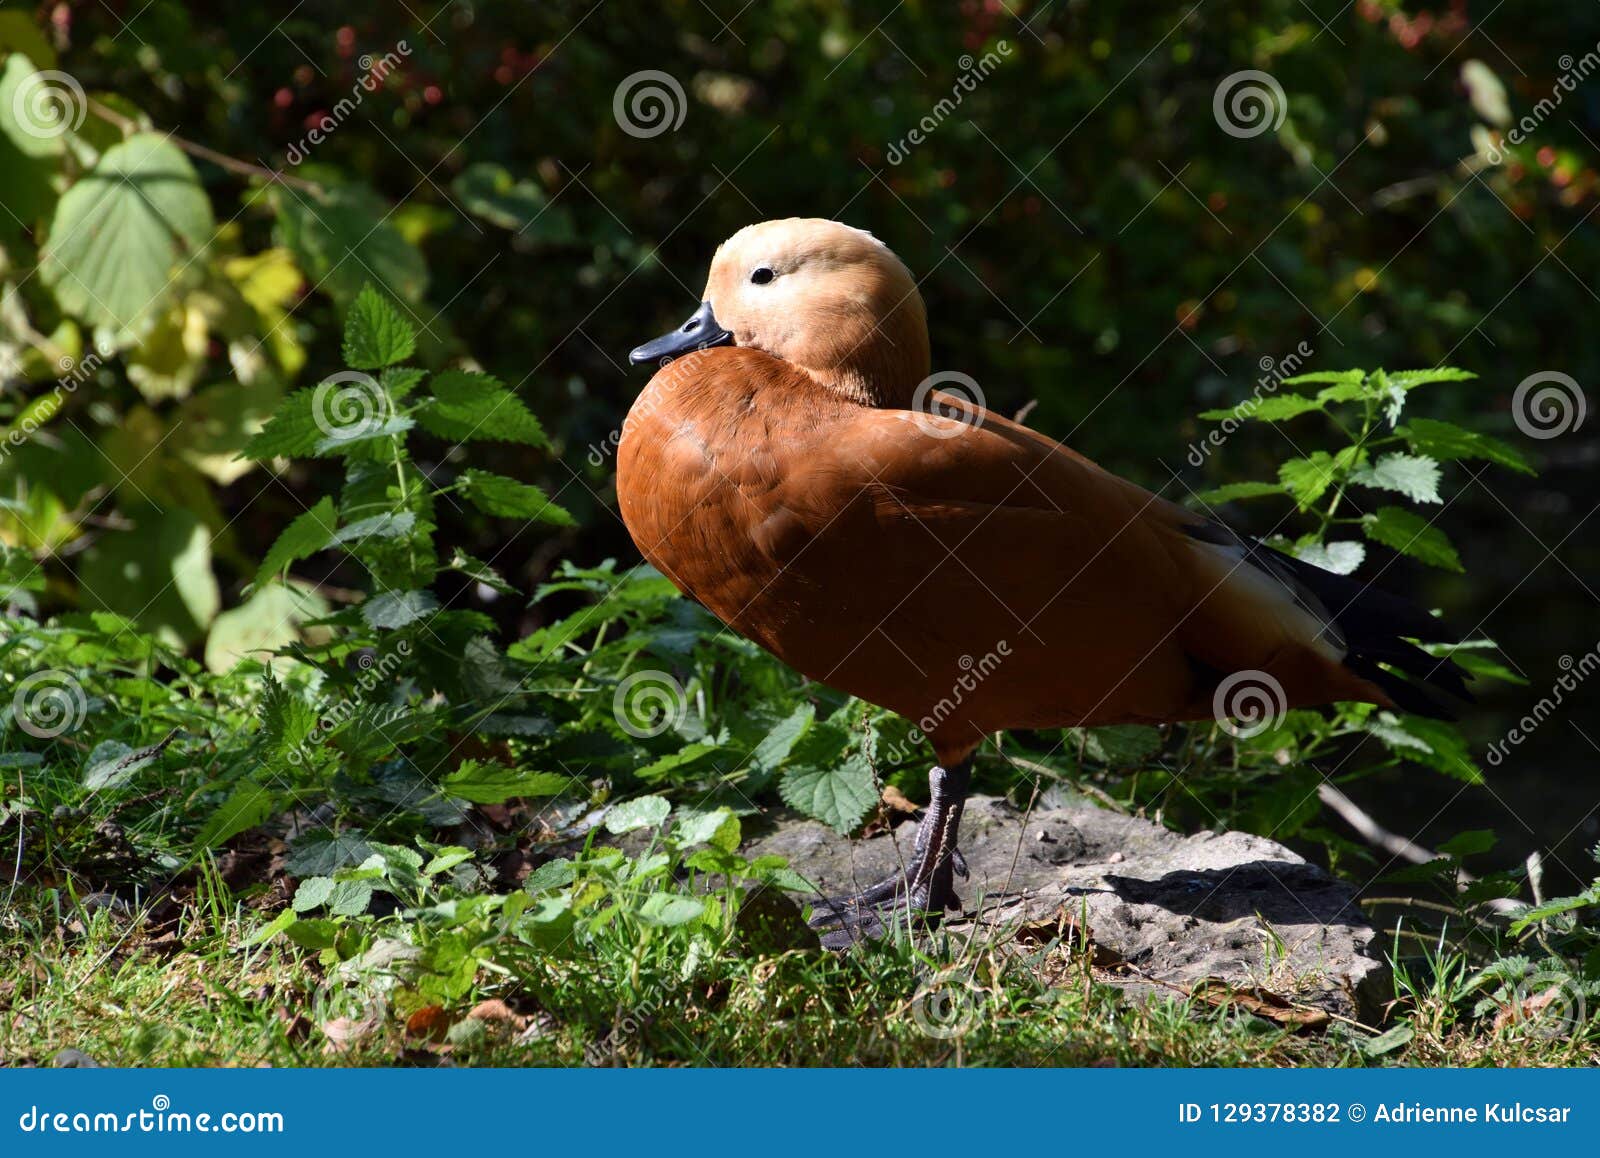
<point>791,469</point>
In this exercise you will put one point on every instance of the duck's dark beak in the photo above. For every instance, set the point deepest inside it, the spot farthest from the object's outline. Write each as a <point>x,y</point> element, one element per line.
<point>699,332</point>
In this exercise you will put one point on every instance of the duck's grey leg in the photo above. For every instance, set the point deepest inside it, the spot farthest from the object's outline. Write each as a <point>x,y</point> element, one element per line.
<point>926,889</point>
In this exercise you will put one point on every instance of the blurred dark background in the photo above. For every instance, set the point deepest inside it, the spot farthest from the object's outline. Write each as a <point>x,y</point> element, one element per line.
<point>1091,240</point>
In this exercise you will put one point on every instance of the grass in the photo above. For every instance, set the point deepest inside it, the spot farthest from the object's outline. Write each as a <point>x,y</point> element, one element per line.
<point>180,984</point>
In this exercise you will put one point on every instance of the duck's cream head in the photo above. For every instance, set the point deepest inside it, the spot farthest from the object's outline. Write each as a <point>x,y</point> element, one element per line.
<point>827,298</point>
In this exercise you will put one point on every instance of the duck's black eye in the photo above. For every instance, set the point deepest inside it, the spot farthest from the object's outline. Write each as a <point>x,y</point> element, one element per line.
<point>761,276</point>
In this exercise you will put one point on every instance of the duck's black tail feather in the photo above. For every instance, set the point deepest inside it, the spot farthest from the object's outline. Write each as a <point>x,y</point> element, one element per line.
<point>1377,627</point>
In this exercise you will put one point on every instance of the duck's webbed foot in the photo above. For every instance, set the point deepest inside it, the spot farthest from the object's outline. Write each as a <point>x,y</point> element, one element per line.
<point>926,888</point>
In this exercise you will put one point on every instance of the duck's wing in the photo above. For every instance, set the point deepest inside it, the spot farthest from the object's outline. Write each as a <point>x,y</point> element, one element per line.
<point>1065,556</point>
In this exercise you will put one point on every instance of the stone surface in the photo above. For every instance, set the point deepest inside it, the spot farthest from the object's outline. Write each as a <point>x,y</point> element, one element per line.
<point>1165,911</point>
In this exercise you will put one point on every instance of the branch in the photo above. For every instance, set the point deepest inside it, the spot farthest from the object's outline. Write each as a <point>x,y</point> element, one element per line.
<point>221,160</point>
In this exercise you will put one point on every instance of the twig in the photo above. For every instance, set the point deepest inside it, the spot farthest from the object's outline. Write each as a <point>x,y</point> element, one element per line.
<point>221,160</point>
<point>1396,845</point>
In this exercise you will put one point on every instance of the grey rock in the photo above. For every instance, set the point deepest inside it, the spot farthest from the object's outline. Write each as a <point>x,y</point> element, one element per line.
<point>1168,910</point>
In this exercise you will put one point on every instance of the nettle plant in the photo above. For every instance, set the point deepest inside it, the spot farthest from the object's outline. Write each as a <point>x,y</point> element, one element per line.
<point>374,714</point>
<point>1382,451</point>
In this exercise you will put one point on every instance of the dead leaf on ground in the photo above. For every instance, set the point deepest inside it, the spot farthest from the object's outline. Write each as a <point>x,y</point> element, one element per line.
<point>496,1011</point>
<point>344,1033</point>
<point>430,1021</point>
<point>1523,1010</point>
<point>1261,1002</point>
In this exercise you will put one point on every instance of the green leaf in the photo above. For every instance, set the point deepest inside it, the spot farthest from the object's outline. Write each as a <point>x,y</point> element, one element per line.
<point>375,335</point>
<point>1469,843</point>
<point>776,745</point>
<point>497,495</point>
<point>468,406</point>
<point>668,910</point>
<point>1411,379</point>
<point>1446,440</point>
<point>1409,534</point>
<point>1431,743</point>
<point>313,893</point>
<point>1308,479</point>
<point>270,930</point>
<point>840,795</point>
<point>392,609</point>
<point>1123,745</point>
<point>393,525</point>
<point>719,828</point>
<point>485,783</point>
<point>120,233</point>
<point>310,532</point>
<point>554,874</point>
<point>291,432</point>
<point>112,764</point>
<point>349,898</point>
<point>1339,377</point>
<point>1276,408</point>
<point>640,812</point>
<point>1232,492</point>
<point>658,768</point>
<point>247,806</point>
<point>1341,558</point>
<point>270,619</point>
<point>345,237</point>
<point>30,118</point>
<point>1414,476</point>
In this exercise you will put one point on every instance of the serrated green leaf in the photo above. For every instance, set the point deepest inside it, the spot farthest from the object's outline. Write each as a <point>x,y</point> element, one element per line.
<point>1411,379</point>
<point>840,795</point>
<point>391,609</point>
<point>1411,535</point>
<point>1445,440</point>
<point>1415,476</point>
<point>468,406</point>
<point>291,432</point>
<point>554,874</point>
<point>1341,558</point>
<point>1308,479</point>
<point>1277,408</point>
<point>640,812</point>
<point>247,806</point>
<point>497,495</point>
<point>775,746</point>
<point>393,525</point>
<point>344,237</point>
<point>1123,745</point>
<point>313,893</point>
<point>310,532</point>
<point>484,783</point>
<point>375,335</point>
